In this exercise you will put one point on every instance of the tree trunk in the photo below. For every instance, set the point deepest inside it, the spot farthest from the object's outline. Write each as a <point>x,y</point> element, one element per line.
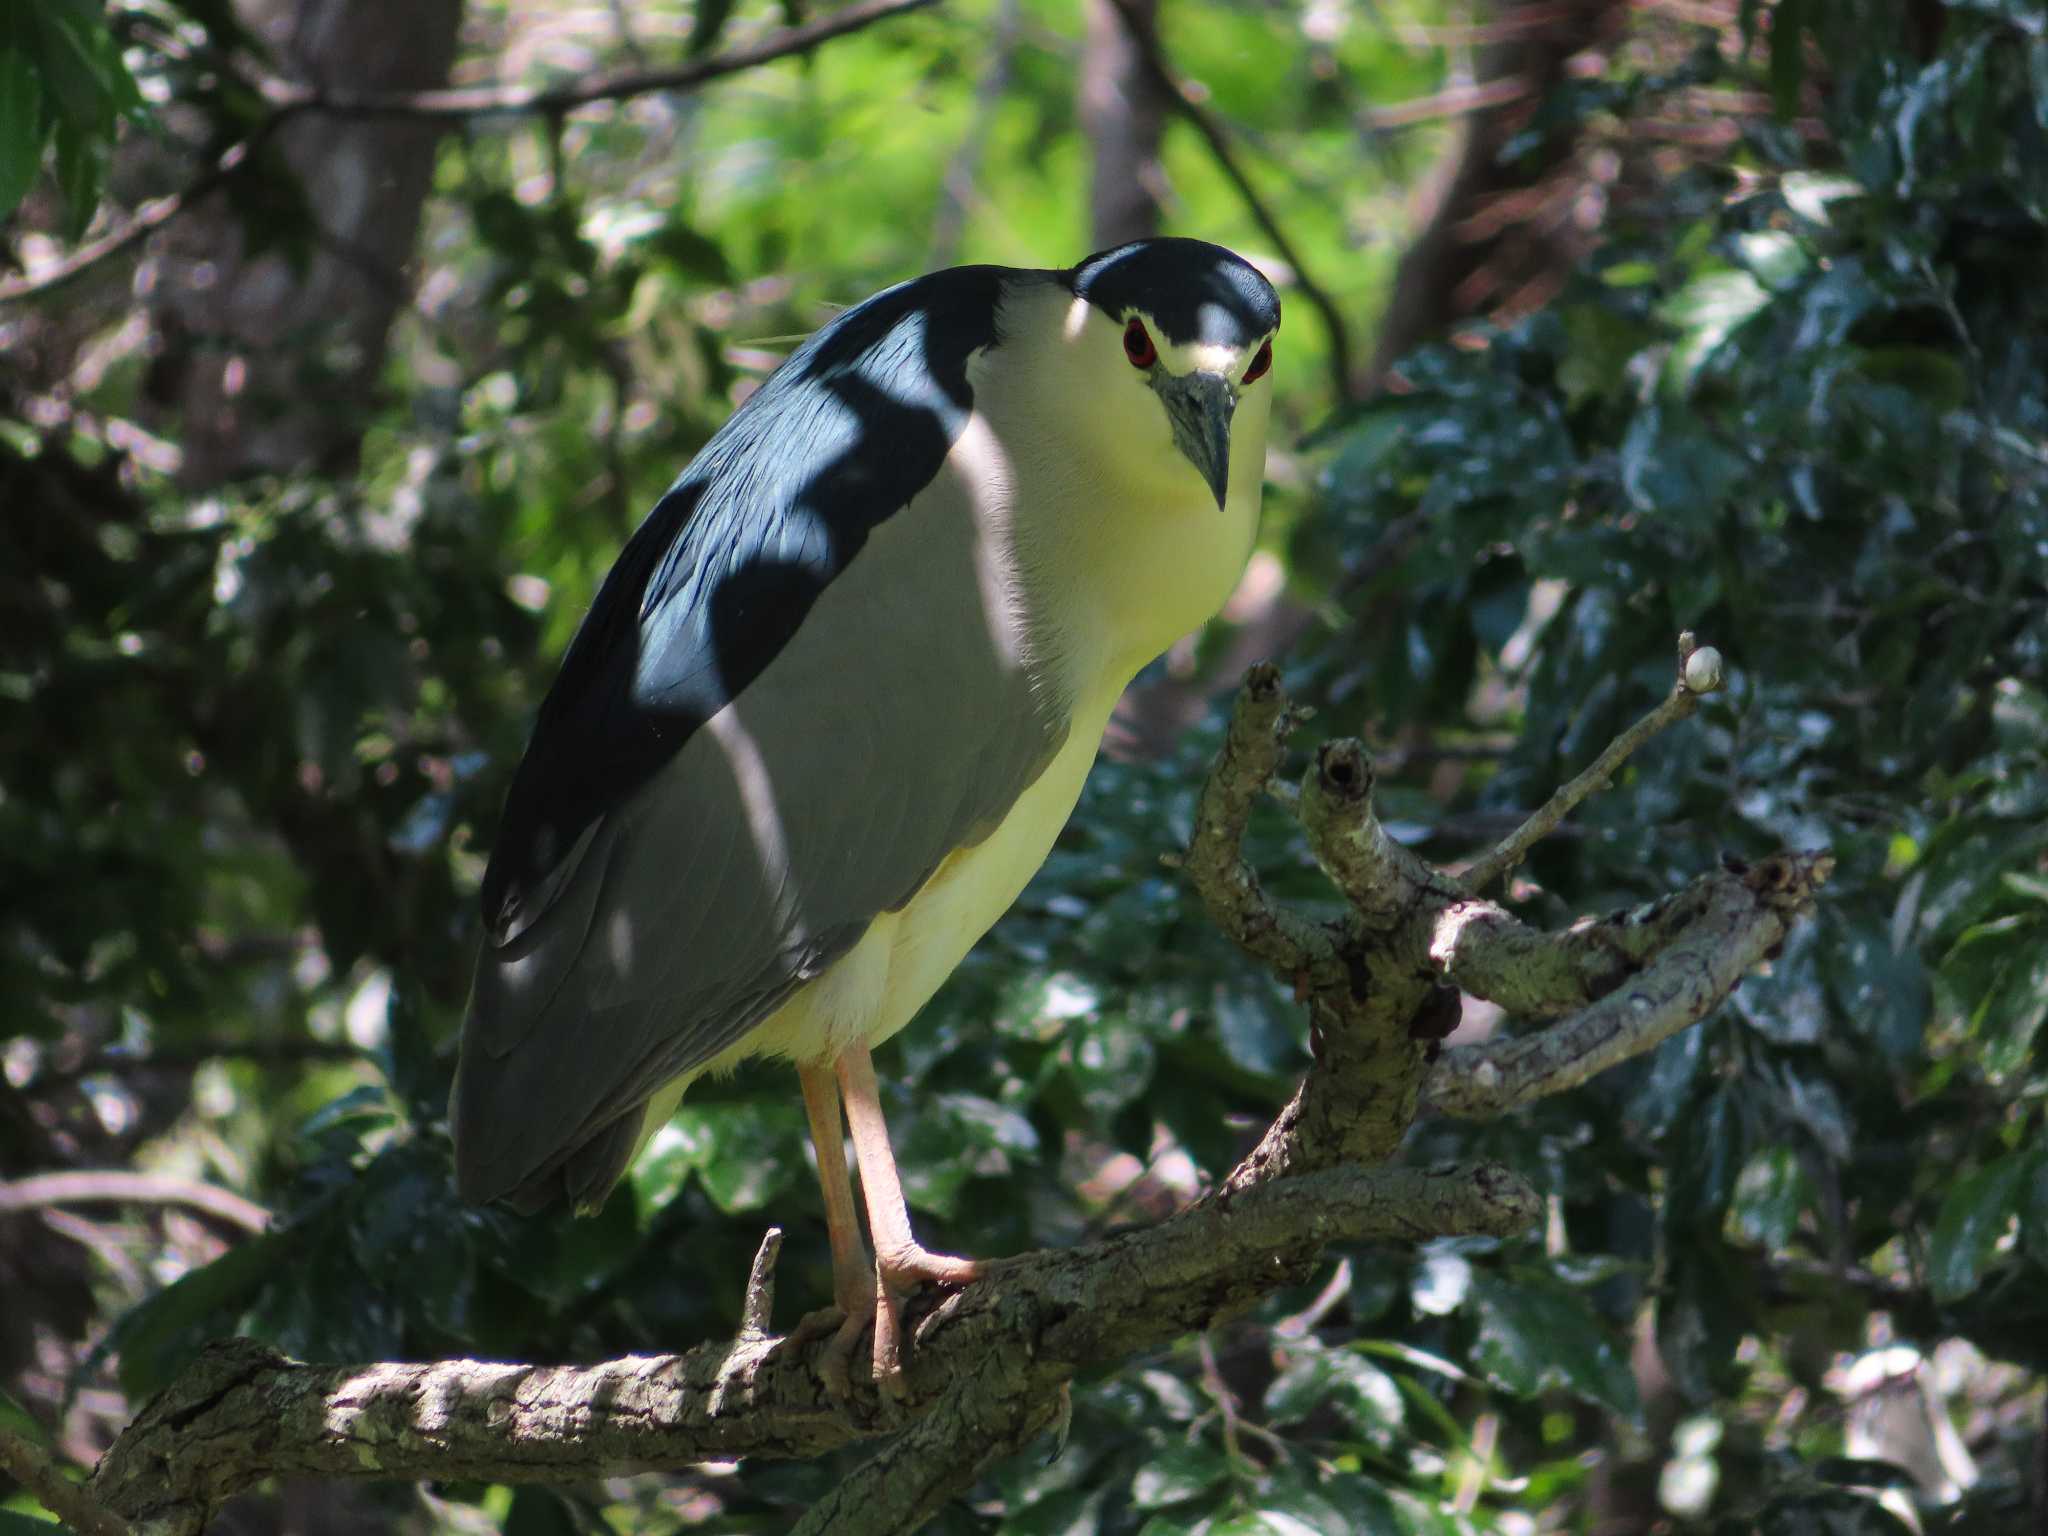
<point>1123,115</point>
<point>268,358</point>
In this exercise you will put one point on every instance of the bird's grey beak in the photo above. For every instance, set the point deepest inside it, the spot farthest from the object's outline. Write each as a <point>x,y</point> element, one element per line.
<point>1200,405</point>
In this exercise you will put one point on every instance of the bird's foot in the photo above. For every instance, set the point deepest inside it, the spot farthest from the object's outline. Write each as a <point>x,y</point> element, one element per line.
<point>835,1364</point>
<point>898,1272</point>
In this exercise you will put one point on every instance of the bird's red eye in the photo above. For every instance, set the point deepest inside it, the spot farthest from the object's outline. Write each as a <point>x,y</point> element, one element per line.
<point>1138,345</point>
<point>1260,363</point>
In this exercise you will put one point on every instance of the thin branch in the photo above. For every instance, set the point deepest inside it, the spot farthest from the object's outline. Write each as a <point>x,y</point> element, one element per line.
<point>1212,131</point>
<point>1699,673</point>
<point>289,98</point>
<point>73,1503</point>
<point>145,221</point>
<point>118,1187</point>
<point>1458,101</point>
<point>1743,924</point>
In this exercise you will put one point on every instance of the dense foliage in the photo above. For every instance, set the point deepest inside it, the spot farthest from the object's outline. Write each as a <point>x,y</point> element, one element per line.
<point>1796,400</point>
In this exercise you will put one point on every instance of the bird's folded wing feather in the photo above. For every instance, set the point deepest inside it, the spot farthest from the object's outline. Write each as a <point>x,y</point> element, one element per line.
<point>790,702</point>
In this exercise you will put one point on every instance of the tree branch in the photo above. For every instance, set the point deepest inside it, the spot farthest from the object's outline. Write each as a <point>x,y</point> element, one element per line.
<point>1382,880</point>
<point>119,1187</point>
<point>73,1503</point>
<point>1699,673</point>
<point>987,1361</point>
<point>1215,862</point>
<point>289,98</point>
<point>989,1364</point>
<point>138,226</point>
<point>1483,950</point>
<point>1744,919</point>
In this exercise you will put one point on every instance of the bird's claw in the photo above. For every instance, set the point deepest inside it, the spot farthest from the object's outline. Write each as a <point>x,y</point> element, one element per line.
<point>844,1327</point>
<point>898,1272</point>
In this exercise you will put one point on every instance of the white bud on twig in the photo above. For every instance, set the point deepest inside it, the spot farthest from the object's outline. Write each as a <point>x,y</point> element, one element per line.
<point>1703,670</point>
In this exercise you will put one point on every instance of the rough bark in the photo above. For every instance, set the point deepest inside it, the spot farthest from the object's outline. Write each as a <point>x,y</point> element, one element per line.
<point>985,1370</point>
<point>988,1364</point>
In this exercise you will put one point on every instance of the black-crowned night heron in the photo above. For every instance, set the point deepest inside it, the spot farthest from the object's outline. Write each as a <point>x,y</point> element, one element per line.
<point>835,701</point>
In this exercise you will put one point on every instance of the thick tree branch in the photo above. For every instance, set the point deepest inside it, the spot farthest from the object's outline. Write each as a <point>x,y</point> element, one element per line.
<point>1483,950</point>
<point>986,1361</point>
<point>1742,921</point>
<point>1382,880</point>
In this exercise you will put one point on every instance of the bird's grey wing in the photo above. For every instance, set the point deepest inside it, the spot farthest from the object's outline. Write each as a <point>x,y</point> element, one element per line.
<point>892,724</point>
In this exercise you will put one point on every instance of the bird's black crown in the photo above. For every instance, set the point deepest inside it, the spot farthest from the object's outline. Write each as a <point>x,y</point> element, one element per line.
<point>1193,291</point>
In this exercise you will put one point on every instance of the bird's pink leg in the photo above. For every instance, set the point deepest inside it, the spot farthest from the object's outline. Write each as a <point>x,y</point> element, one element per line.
<point>853,1286</point>
<point>900,1263</point>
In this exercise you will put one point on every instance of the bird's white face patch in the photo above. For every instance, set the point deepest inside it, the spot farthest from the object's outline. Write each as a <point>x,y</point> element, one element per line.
<point>1198,356</point>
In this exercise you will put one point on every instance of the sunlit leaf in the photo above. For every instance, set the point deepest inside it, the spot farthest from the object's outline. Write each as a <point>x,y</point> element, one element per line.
<point>1976,1215</point>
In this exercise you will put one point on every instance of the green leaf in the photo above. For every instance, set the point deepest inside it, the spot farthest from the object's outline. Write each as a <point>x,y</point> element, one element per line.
<point>1178,1471</point>
<point>1535,1334</point>
<point>1708,1306</point>
<point>1812,194</point>
<point>753,1155</point>
<point>21,128</point>
<point>1981,1205</point>
<point>1706,1153</point>
<point>1770,1197</point>
<point>82,157</point>
<point>1671,466</point>
<point>12,1524</point>
<point>693,253</point>
<point>20,1421</point>
<point>1365,1395</point>
<point>1996,976</point>
<point>1706,312</point>
<point>2034,1212</point>
<point>365,1105</point>
<point>1836,1512</point>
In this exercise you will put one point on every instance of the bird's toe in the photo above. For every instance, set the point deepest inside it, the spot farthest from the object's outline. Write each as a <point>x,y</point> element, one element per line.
<point>904,1269</point>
